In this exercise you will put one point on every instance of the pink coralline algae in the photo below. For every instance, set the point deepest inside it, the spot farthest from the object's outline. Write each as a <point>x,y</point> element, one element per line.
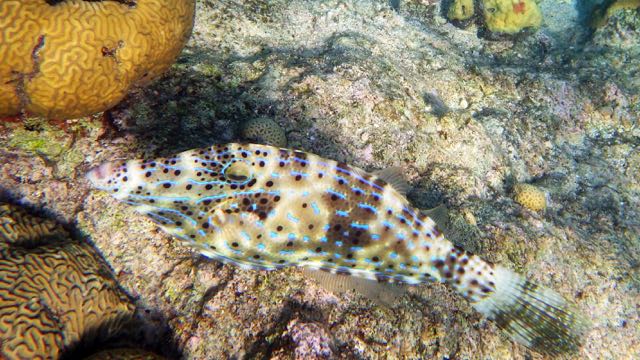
<point>311,341</point>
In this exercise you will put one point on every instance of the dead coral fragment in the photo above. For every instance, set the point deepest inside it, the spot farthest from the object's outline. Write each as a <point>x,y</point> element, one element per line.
<point>71,58</point>
<point>264,130</point>
<point>55,291</point>
<point>530,196</point>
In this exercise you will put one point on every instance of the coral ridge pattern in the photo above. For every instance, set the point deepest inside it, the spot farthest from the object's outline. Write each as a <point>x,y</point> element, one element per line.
<point>72,58</point>
<point>54,291</point>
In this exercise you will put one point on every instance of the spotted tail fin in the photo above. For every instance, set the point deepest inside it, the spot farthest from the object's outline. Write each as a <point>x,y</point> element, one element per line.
<point>532,315</point>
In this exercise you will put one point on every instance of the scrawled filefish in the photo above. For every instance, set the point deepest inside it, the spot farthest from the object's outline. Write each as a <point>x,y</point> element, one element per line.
<point>262,207</point>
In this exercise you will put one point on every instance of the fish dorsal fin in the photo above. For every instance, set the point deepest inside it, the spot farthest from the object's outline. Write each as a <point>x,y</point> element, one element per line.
<point>440,215</point>
<point>394,177</point>
<point>381,293</point>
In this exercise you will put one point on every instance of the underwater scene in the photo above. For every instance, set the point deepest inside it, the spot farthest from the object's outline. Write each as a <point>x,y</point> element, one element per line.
<point>329,179</point>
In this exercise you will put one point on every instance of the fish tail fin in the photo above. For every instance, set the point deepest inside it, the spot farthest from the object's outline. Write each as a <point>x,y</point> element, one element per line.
<point>533,315</point>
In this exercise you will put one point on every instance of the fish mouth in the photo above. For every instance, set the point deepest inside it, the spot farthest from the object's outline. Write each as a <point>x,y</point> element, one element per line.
<point>98,175</point>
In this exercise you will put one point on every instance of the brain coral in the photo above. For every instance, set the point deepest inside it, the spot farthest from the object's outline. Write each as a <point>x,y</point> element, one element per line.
<point>70,58</point>
<point>264,130</point>
<point>54,291</point>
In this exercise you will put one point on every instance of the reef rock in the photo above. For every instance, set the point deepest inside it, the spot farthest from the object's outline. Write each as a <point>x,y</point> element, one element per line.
<point>375,86</point>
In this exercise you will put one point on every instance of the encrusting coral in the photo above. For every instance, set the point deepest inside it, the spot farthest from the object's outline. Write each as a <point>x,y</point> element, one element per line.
<point>530,196</point>
<point>55,291</point>
<point>71,58</point>
<point>601,15</point>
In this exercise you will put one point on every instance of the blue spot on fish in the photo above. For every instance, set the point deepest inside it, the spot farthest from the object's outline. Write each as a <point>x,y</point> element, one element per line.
<point>373,209</point>
<point>316,209</point>
<point>359,226</point>
<point>338,194</point>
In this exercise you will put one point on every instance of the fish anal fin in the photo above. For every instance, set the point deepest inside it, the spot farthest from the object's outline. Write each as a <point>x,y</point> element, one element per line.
<point>381,293</point>
<point>394,177</point>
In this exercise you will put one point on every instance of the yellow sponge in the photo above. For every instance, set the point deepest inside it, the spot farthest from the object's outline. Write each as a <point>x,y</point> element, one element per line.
<point>511,16</point>
<point>460,10</point>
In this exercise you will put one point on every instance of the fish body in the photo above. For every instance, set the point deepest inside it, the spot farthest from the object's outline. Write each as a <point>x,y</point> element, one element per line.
<point>263,207</point>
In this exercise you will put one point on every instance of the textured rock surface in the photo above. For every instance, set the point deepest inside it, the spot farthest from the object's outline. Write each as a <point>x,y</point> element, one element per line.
<point>72,58</point>
<point>376,86</point>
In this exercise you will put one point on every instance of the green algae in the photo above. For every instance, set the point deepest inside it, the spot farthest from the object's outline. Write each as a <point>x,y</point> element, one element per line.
<point>46,141</point>
<point>37,137</point>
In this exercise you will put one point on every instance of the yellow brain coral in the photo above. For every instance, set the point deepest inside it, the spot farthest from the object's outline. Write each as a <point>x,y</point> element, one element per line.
<point>264,130</point>
<point>53,290</point>
<point>511,16</point>
<point>70,58</point>
<point>531,197</point>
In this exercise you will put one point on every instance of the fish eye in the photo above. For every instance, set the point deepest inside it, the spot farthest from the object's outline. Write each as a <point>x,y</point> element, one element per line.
<point>237,172</point>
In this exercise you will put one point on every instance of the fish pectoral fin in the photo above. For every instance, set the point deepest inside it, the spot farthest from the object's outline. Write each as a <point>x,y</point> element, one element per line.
<point>382,293</point>
<point>394,177</point>
<point>440,215</point>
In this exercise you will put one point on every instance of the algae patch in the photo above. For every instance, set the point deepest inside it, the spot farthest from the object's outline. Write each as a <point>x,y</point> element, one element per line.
<point>55,146</point>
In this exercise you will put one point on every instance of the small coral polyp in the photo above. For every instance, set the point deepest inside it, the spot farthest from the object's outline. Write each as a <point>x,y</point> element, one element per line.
<point>72,58</point>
